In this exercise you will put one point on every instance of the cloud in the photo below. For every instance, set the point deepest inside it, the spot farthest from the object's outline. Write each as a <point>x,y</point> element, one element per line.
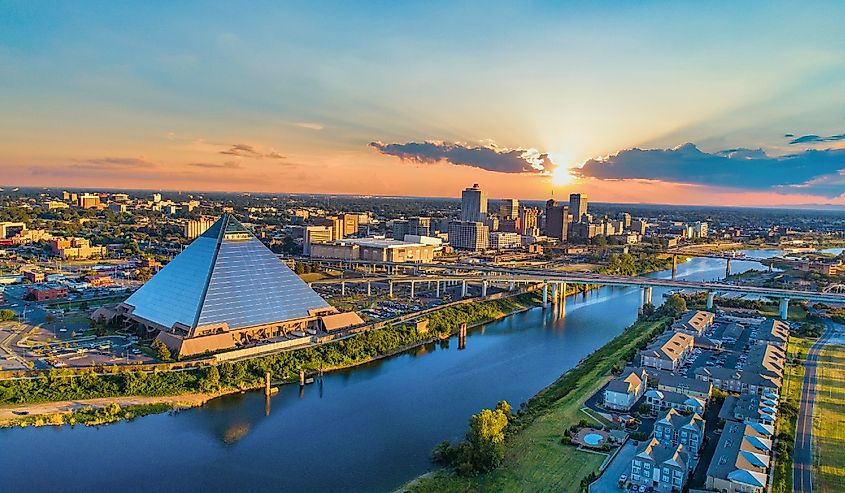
<point>226,165</point>
<point>251,152</point>
<point>309,125</point>
<point>489,156</point>
<point>114,162</point>
<point>812,138</point>
<point>811,171</point>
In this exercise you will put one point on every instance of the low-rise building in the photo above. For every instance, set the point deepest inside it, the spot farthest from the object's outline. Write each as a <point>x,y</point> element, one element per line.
<point>668,352</point>
<point>694,322</point>
<point>683,385</point>
<point>662,466</point>
<point>374,249</point>
<point>748,408</point>
<point>44,292</point>
<point>625,390</point>
<point>685,429</point>
<point>75,248</point>
<point>662,400</point>
<point>741,460</point>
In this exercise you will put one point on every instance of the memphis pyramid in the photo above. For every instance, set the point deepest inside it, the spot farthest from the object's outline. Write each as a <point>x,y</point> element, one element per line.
<point>225,289</point>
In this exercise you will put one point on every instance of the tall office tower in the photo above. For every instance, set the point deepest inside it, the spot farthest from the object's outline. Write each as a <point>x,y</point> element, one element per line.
<point>625,217</point>
<point>509,209</point>
<point>474,204</point>
<point>314,235</point>
<point>350,224</point>
<point>400,229</point>
<point>419,226</point>
<point>469,235</point>
<point>89,201</point>
<point>577,206</point>
<point>156,197</point>
<point>557,220</point>
<point>529,220</point>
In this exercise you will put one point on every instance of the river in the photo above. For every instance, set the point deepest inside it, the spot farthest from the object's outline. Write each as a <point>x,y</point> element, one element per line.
<point>366,429</point>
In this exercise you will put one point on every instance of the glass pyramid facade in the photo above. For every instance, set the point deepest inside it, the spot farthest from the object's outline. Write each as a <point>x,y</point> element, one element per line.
<point>225,275</point>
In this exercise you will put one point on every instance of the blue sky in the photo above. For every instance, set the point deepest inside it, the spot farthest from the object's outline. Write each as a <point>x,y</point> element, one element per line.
<point>165,87</point>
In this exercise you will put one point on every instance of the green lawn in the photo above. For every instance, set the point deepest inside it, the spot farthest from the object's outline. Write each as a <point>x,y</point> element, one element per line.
<point>790,396</point>
<point>829,421</point>
<point>536,459</point>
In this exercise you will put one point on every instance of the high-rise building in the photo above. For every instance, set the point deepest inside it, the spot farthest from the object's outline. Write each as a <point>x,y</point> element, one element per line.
<point>474,204</point>
<point>316,234</point>
<point>196,227</point>
<point>469,235</point>
<point>529,220</point>
<point>625,217</point>
<point>577,206</point>
<point>700,230</point>
<point>350,224</point>
<point>509,209</point>
<point>557,220</point>
<point>419,226</point>
<point>156,197</point>
<point>89,201</point>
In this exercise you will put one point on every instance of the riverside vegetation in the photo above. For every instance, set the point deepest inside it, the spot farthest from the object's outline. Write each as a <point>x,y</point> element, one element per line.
<point>90,416</point>
<point>67,384</point>
<point>504,451</point>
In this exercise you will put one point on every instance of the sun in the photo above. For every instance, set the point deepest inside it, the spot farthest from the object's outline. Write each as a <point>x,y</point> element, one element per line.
<point>561,176</point>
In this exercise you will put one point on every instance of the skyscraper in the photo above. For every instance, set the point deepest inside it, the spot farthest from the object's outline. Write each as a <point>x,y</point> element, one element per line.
<point>577,206</point>
<point>509,209</point>
<point>557,220</point>
<point>474,204</point>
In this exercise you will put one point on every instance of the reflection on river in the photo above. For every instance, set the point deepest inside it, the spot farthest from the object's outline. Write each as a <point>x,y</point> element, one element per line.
<point>370,428</point>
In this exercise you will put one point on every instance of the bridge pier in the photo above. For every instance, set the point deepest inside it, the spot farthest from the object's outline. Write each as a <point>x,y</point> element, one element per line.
<point>369,288</point>
<point>728,268</point>
<point>646,298</point>
<point>711,295</point>
<point>464,289</point>
<point>554,293</point>
<point>412,289</point>
<point>674,266</point>
<point>511,286</point>
<point>390,289</point>
<point>437,288</point>
<point>784,308</point>
<point>563,288</point>
<point>545,293</point>
<point>484,288</point>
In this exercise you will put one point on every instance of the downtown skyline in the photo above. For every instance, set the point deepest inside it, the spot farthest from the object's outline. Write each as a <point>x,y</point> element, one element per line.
<point>678,103</point>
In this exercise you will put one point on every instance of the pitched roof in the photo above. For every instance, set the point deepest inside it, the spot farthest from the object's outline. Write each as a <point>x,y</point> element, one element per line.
<point>225,275</point>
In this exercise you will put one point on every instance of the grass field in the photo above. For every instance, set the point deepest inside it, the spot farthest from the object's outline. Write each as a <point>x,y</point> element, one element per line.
<point>829,421</point>
<point>790,396</point>
<point>536,459</point>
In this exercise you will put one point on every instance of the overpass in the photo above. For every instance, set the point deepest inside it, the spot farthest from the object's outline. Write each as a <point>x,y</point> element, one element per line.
<point>485,275</point>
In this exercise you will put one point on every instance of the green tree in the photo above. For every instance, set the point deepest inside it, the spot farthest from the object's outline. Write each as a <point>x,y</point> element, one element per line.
<point>162,351</point>
<point>6,314</point>
<point>675,305</point>
<point>143,274</point>
<point>211,381</point>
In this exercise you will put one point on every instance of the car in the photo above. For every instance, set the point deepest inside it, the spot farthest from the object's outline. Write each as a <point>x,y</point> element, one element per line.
<point>642,488</point>
<point>623,478</point>
<point>63,329</point>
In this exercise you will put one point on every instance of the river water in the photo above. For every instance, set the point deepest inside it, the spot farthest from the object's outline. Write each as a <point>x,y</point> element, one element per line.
<point>366,429</point>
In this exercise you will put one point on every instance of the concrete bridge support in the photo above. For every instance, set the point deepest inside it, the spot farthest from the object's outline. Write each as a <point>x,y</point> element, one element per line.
<point>674,266</point>
<point>343,289</point>
<point>784,308</point>
<point>711,295</point>
<point>412,289</point>
<point>646,298</point>
<point>728,268</point>
<point>555,293</point>
<point>464,289</point>
<point>437,289</point>
<point>390,289</point>
<point>484,288</point>
<point>511,286</point>
<point>369,288</point>
<point>545,293</point>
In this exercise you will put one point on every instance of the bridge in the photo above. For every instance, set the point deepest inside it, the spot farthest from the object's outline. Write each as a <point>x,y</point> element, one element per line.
<point>484,275</point>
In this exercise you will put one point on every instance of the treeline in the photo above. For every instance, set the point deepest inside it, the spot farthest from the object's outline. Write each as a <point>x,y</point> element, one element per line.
<point>625,264</point>
<point>67,384</point>
<point>90,416</point>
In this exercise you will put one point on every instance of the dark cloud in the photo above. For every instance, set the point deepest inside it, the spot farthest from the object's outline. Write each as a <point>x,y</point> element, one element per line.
<point>812,138</point>
<point>226,165</point>
<point>811,171</point>
<point>489,157</point>
<point>252,152</point>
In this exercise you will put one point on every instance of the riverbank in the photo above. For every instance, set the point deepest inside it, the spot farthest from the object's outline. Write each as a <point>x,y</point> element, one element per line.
<point>535,455</point>
<point>185,388</point>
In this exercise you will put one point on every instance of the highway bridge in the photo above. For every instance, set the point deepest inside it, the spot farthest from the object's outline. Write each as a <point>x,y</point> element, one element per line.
<point>484,275</point>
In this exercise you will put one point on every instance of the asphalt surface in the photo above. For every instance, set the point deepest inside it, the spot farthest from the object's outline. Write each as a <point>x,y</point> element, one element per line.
<point>802,456</point>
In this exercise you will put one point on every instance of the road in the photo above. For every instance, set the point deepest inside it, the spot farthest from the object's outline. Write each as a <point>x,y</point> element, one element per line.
<point>802,456</point>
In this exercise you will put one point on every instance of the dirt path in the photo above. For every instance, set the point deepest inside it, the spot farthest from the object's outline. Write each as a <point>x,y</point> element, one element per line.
<point>8,413</point>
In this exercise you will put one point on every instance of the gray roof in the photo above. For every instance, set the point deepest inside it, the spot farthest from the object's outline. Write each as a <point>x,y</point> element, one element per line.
<point>225,275</point>
<point>739,457</point>
<point>673,455</point>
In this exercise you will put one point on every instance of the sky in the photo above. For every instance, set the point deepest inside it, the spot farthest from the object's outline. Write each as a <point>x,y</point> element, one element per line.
<point>726,103</point>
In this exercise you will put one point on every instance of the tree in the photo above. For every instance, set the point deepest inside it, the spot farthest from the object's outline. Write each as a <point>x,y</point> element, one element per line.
<point>211,381</point>
<point>675,305</point>
<point>162,351</point>
<point>6,314</point>
<point>143,274</point>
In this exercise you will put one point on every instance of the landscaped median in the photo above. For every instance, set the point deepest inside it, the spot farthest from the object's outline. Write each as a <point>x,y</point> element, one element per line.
<point>535,458</point>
